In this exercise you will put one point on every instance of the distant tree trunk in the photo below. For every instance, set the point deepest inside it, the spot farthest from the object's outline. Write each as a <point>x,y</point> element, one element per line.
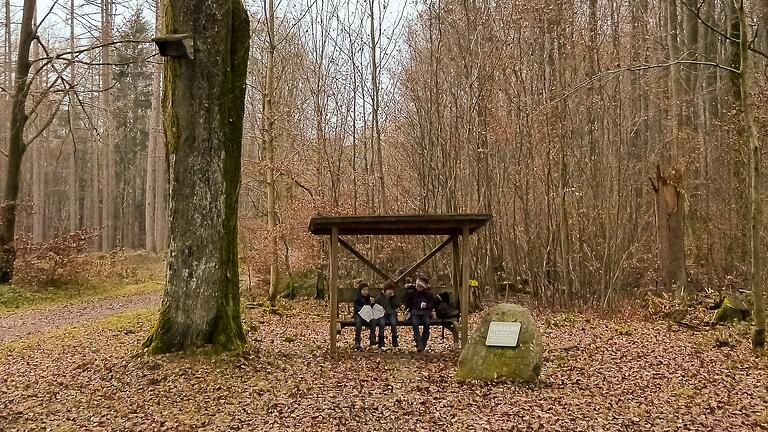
<point>269,138</point>
<point>16,145</point>
<point>756,214</point>
<point>376,135</point>
<point>38,165</point>
<point>676,80</point>
<point>95,209</point>
<point>108,225</point>
<point>38,193</point>
<point>161,194</point>
<point>691,71</point>
<point>73,190</point>
<point>670,229</point>
<point>151,242</point>
<point>203,122</point>
<point>150,187</point>
<point>6,97</point>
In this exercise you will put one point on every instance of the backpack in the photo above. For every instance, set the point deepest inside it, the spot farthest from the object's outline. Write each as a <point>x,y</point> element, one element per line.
<point>446,310</point>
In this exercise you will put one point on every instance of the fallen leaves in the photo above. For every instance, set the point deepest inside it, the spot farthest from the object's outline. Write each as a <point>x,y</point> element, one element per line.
<point>597,375</point>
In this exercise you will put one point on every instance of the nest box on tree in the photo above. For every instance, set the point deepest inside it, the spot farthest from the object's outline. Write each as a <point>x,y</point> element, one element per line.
<point>176,45</point>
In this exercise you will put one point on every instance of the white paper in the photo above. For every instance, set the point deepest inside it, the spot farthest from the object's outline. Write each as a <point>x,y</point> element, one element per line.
<point>378,311</point>
<point>366,313</point>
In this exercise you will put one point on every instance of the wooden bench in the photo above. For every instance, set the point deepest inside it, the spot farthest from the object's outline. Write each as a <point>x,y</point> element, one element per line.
<point>348,296</point>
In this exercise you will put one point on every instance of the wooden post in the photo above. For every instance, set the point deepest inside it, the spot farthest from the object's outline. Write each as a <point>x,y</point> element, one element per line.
<point>334,285</point>
<point>456,278</point>
<point>456,270</point>
<point>464,291</point>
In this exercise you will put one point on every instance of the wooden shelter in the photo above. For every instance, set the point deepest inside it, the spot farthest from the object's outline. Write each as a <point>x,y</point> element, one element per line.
<point>456,227</point>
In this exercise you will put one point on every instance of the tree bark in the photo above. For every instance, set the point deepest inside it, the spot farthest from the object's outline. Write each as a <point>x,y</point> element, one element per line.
<point>203,125</point>
<point>670,226</point>
<point>16,145</point>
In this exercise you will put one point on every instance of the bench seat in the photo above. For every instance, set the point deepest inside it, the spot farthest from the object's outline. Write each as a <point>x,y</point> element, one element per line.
<point>443,322</point>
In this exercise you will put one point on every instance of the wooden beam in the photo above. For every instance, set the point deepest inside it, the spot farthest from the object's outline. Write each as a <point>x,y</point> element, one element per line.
<point>362,258</point>
<point>333,283</point>
<point>426,258</point>
<point>464,290</point>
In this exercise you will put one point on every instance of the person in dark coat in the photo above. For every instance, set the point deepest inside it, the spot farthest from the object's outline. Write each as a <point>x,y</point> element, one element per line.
<point>387,300</point>
<point>410,290</point>
<point>363,299</point>
<point>421,304</point>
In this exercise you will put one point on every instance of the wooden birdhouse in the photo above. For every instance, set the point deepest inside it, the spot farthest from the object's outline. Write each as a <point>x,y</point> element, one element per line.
<point>176,45</point>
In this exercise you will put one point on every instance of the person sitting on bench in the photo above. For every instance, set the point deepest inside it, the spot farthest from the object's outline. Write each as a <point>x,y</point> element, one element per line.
<point>421,303</point>
<point>387,300</point>
<point>363,299</point>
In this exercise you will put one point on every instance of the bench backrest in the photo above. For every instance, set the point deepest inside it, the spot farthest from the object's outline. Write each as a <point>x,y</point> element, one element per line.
<point>348,295</point>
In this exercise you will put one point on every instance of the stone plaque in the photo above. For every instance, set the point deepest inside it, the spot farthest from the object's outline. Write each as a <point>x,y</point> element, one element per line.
<point>503,334</point>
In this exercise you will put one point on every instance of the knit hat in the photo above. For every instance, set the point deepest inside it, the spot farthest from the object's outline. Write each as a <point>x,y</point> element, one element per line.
<point>422,282</point>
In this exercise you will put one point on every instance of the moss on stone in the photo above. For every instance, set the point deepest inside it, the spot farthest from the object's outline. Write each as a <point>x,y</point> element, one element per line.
<point>731,310</point>
<point>489,363</point>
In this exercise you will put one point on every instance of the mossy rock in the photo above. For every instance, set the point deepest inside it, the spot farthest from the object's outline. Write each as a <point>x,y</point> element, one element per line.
<point>298,284</point>
<point>732,309</point>
<point>490,363</point>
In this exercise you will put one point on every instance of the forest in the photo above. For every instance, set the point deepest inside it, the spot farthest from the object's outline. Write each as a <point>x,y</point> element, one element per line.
<point>194,193</point>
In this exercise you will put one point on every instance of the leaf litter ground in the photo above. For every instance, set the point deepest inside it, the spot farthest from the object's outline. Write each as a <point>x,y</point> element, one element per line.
<point>598,375</point>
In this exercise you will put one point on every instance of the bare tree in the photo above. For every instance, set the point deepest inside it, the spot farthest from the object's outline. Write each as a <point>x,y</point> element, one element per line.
<point>16,144</point>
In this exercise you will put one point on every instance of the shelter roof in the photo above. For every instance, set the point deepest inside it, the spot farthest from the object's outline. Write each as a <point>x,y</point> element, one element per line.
<point>425,224</point>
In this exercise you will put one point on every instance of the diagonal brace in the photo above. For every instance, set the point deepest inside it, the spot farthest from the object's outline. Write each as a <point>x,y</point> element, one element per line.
<point>426,258</point>
<point>362,258</point>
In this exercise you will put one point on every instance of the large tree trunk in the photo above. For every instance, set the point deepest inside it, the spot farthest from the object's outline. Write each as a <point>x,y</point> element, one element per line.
<point>670,226</point>
<point>203,122</point>
<point>16,146</point>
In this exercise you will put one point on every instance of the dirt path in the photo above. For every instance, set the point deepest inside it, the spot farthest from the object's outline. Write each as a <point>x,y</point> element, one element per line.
<point>15,326</point>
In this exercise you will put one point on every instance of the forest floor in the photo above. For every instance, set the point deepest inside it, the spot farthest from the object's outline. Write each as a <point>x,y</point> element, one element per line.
<point>619,374</point>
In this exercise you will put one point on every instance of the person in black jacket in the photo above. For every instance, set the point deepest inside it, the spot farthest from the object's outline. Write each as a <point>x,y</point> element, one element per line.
<point>420,304</point>
<point>410,290</point>
<point>387,300</point>
<point>363,299</point>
